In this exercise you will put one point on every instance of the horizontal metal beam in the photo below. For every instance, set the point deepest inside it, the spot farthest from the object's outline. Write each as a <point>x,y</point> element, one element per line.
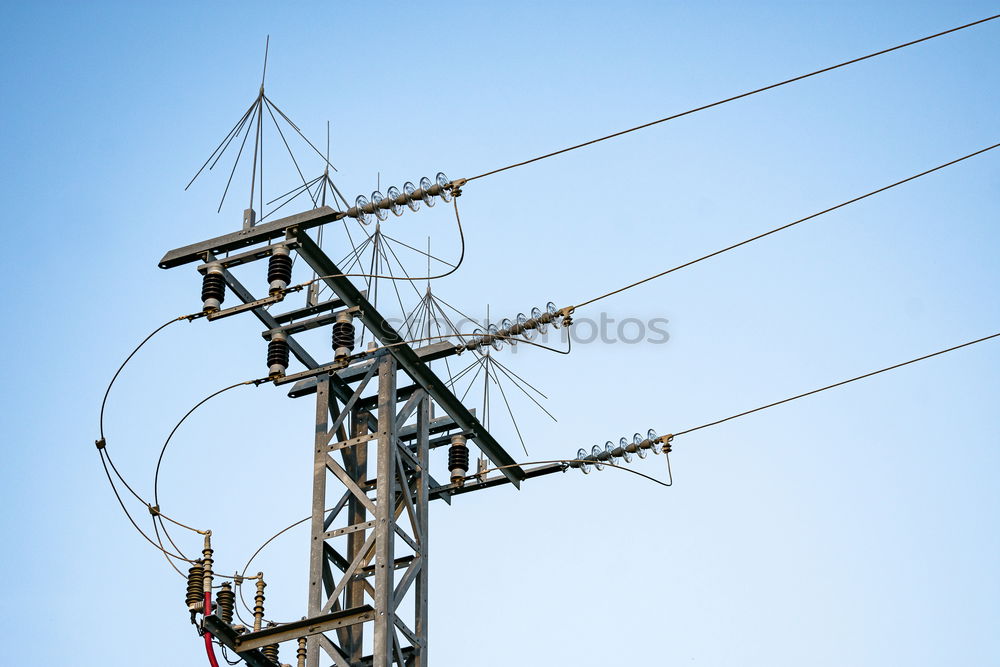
<point>402,394</point>
<point>397,564</point>
<point>303,325</point>
<point>426,353</point>
<point>355,372</point>
<point>307,311</point>
<point>446,490</point>
<point>304,628</point>
<point>259,234</point>
<point>244,307</point>
<point>312,373</point>
<point>436,425</point>
<point>407,358</point>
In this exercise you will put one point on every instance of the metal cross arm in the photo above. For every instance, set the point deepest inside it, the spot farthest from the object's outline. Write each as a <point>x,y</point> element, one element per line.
<point>259,234</point>
<point>475,484</point>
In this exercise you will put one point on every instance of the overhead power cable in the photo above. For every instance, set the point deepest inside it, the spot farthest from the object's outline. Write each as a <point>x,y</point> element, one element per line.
<point>786,226</point>
<point>837,384</point>
<point>736,97</point>
<point>159,463</point>
<point>606,457</point>
<point>105,455</point>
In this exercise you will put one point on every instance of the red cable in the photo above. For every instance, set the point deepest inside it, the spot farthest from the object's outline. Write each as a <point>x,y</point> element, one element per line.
<point>209,648</point>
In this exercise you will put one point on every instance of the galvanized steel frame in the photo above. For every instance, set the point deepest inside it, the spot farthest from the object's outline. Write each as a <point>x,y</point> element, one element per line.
<point>371,526</point>
<point>340,608</point>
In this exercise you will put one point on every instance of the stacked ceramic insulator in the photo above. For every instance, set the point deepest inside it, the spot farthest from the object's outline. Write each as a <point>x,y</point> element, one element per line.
<point>639,446</point>
<point>507,332</point>
<point>394,199</point>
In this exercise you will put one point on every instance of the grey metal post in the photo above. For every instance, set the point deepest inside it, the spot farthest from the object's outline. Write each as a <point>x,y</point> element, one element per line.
<point>356,462</point>
<point>423,498</point>
<point>316,555</point>
<point>385,500</point>
<point>357,583</point>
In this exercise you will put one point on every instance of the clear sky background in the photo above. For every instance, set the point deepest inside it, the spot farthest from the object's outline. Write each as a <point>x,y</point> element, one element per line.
<point>856,527</point>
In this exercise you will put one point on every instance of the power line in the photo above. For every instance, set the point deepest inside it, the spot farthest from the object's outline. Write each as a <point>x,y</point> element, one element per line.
<point>838,384</point>
<point>786,226</point>
<point>735,97</point>
<point>163,450</point>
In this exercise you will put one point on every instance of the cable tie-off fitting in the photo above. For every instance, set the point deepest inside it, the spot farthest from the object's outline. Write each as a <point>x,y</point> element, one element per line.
<point>101,444</point>
<point>456,186</point>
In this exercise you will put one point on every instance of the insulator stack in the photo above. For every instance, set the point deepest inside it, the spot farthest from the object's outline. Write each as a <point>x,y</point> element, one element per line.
<point>458,459</point>
<point>343,335</point>
<point>279,270</point>
<point>524,326</point>
<point>226,600</point>
<point>300,653</point>
<point>271,650</point>
<point>195,597</point>
<point>206,564</point>
<point>277,355</point>
<point>213,288</point>
<point>640,445</point>
<point>394,200</point>
<point>258,603</point>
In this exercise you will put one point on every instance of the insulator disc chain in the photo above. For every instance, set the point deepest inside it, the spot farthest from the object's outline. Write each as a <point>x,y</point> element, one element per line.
<point>523,326</point>
<point>639,446</point>
<point>396,200</point>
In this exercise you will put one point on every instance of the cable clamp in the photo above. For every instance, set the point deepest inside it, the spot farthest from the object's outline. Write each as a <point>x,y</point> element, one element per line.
<point>154,510</point>
<point>101,444</point>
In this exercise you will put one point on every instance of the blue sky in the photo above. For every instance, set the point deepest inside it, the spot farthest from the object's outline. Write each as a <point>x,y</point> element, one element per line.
<point>855,527</point>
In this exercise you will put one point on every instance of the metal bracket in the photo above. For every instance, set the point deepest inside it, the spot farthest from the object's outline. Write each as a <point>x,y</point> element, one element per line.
<point>244,307</point>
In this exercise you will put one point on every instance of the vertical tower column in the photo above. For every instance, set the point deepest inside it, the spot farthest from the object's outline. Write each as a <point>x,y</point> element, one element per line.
<point>366,565</point>
<point>385,518</point>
